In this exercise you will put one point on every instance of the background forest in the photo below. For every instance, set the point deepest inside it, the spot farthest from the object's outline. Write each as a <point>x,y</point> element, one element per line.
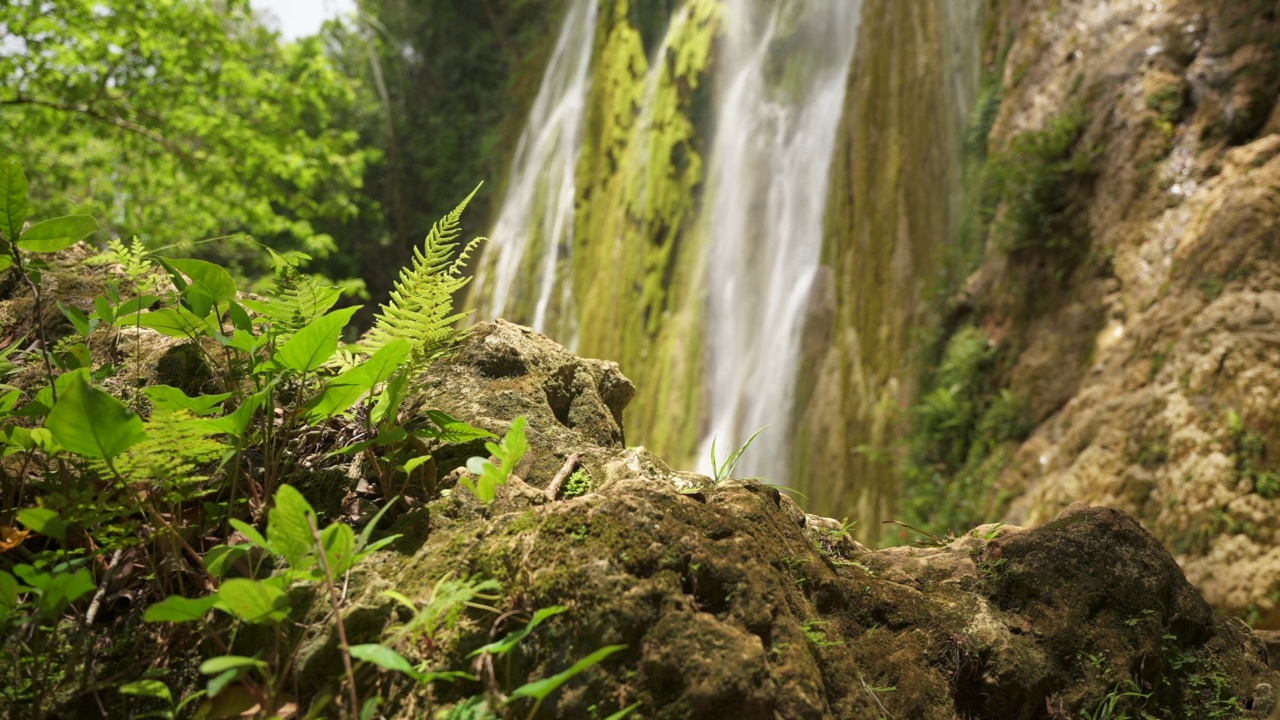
<point>192,123</point>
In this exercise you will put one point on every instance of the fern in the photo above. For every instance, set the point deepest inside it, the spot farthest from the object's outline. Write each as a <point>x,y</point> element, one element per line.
<point>169,465</point>
<point>133,262</point>
<point>421,307</point>
<point>299,299</point>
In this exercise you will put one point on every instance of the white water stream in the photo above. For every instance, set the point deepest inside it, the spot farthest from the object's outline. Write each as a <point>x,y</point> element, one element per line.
<point>787,67</point>
<point>540,191</point>
<point>782,76</point>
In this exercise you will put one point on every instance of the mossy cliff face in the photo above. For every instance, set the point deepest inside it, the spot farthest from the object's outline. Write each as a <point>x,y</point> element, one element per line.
<point>637,256</point>
<point>1128,294</point>
<point>892,210</point>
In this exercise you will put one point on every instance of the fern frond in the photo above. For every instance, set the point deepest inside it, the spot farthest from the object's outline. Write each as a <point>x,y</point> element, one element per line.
<point>170,462</point>
<point>421,305</point>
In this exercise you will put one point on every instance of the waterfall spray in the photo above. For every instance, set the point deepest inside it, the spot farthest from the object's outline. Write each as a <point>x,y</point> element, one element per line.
<point>785,71</point>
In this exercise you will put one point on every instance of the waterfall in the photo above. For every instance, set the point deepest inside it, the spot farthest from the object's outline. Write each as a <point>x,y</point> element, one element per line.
<point>784,76</point>
<point>533,234</point>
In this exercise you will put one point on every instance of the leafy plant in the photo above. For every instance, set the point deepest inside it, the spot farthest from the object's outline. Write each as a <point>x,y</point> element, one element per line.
<point>489,476</point>
<point>723,471</point>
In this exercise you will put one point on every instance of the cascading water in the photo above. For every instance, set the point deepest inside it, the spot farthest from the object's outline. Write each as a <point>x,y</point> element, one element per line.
<point>534,230</point>
<point>785,72</point>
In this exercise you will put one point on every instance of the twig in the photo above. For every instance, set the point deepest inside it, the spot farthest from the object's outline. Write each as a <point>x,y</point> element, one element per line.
<point>102,588</point>
<point>570,462</point>
<point>872,693</point>
<point>337,613</point>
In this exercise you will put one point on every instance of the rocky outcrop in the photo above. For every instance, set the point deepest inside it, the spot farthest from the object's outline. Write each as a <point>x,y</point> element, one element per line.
<point>1150,362</point>
<point>733,602</point>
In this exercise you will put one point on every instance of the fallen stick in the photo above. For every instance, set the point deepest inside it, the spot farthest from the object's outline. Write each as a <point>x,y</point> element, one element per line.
<point>569,463</point>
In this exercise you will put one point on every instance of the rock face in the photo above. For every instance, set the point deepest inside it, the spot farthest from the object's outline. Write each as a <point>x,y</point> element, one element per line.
<point>1152,372</point>
<point>733,603</point>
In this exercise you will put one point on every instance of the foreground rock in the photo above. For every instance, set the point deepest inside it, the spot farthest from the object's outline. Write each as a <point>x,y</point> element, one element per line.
<point>734,604</point>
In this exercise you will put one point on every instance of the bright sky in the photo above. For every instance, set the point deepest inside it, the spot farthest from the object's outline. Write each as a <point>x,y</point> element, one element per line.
<point>301,17</point>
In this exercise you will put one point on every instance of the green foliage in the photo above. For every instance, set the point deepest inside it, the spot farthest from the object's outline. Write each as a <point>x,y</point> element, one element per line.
<point>161,115</point>
<point>101,479</point>
<point>421,306</point>
<point>1033,179</point>
<point>1113,706</point>
<point>1249,449</point>
<point>489,476</point>
<point>959,432</point>
<point>721,471</point>
<point>578,484</point>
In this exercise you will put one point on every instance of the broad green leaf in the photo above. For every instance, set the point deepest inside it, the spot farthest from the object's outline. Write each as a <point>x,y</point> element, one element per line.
<point>223,663</point>
<point>236,423</point>
<point>250,532</point>
<point>147,688</point>
<point>345,389</point>
<point>92,423</point>
<point>6,262</point>
<point>221,558</point>
<point>414,463</point>
<point>311,346</point>
<point>176,322</point>
<point>240,319</point>
<point>58,233</point>
<point>338,541</point>
<point>44,521</point>
<point>508,643</point>
<point>253,601</point>
<point>165,397</point>
<point>8,400</point>
<point>102,308</point>
<point>369,710</point>
<point>221,681</point>
<point>176,608</point>
<point>77,317</point>
<point>13,199</point>
<point>289,528</point>
<point>387,409</point>
<point>384,657</point>
<point>8,595</point>
<point>57,590</point>
<point>216,281</point>
<point>453,430</point>
<point>540,689</point>
<point>132,307</point>
<point>198,298</point>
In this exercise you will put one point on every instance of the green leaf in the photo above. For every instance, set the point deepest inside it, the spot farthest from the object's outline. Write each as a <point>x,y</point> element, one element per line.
<point>237,423</point>
<point>490,476</point>
<point>367,532</point>
<point>223,663</point>
<point>176,322</point>
<point>453,430</point>
<point>172,399</point>
<point>250,532</point>
<point>13,199</point>
<point>44,521</point>
<point>240,319</point>
<point>289,528</point>
<point>253,601</point>
<point>77,317</point>
<point>624,711</point>
<point>92,423</point>
<point>221,558</point>
<point>384,657</point>
<point>176,608</point>
<point>132,307</point>
<point>414,463</point>
<point>58,233</point>
<point>198,298</point>
<point>8,595</point>
<point>311,346</point>
<point>345,389</point>
<point>57,590</point>
<point>215,280</point>
<point>387,409</point>
<point>102,308</point>
<point>6,262</point>
<point>539,690</point>
<point>147,688</point>
<point>508,643</point>
<point>338,541</point>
